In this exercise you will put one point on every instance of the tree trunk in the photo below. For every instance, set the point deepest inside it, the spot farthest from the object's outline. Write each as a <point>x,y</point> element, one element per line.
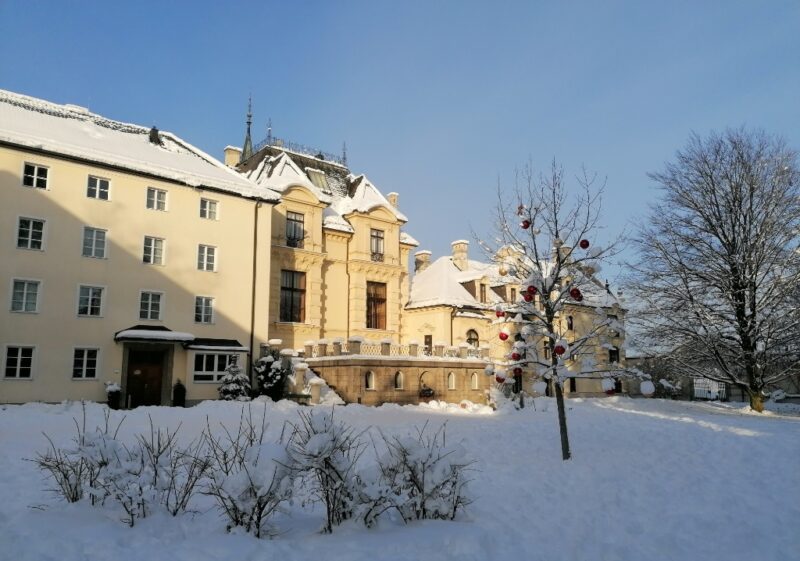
<point>562,423</point>
<point>756,401</point>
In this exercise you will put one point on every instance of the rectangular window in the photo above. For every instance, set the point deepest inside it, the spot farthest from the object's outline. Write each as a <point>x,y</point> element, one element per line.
<point>153,251</point>
<point>613,355</point>
<point>513,295</point>
<point>208,209</point>
<point>483,294</point>
<point>156,199</point>
<point>19,362</point>
<point>84,364</point>
<point>203,309</point>
<point>293,296</point>
<point>97,188</point>
<point>150,305</point>
<point>35,176</point>
<point>206,257</point>
<point>376,305</point>
<point>25,296</point>
<point>94,243</point>
<point>209,367</point>
<point>295,229</point>
<point>30,233</point>
<point>376,244</point>
<point>90,301</point>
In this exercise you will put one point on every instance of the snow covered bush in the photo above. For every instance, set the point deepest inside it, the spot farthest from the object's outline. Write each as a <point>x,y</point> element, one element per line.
<point>420,476</point>
<point>235,385</point>
<point>248,478</point>
<point>323,454</point>
<point>271,376</point>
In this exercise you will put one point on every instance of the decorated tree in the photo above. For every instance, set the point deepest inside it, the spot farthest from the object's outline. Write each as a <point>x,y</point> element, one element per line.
<point>235,384</point>
<point>544,244</point>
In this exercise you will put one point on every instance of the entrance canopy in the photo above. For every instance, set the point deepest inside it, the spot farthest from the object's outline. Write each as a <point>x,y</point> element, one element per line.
<point>151,333</point>
<point>219,345</point>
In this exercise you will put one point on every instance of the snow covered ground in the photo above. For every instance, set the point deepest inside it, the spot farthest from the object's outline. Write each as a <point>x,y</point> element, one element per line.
<point>649,480</point>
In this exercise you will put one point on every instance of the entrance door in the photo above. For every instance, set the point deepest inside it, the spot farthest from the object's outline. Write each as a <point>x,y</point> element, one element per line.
<point>145,372</point>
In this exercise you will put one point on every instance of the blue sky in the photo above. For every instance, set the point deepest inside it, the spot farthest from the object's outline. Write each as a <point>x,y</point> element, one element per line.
<point>436,100</point>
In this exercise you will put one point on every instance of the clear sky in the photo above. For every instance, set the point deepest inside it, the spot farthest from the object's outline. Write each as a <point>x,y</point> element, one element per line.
<point>436,100</point>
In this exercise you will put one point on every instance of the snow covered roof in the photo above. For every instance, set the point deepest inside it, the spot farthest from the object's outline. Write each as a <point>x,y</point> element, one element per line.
<point>364,198</point>
<point>334,221</point>
<point>280,172</point>
<point>440,285</point>
<point>73,131</point>
<point>405,238</point>
<point>139,333</point>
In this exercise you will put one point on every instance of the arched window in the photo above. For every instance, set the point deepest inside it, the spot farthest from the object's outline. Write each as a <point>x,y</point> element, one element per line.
<point>474,381</point>
<point>451,381</point>
<point>369,380</point>
<point>398,381</point>
<point>570,325</point>
<point>472,338</point>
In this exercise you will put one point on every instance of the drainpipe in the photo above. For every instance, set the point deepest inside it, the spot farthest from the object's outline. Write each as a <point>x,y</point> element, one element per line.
<point>253,290</point>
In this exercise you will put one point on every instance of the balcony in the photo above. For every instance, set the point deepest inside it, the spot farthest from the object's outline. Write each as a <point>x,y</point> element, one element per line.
<point>294,242</point>
<point>377,257</point>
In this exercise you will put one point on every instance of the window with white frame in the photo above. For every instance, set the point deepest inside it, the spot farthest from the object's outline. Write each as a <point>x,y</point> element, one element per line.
<point>30,233</point>
<point>19,362</point>
<point>156,199</point>
<point>84,364</point>
<point>35,175</point>
<point>206,257</point>
<point>25,296</point>
<point>90,301</point>
<point>369,380</point>
<point>153,251</point>
<point>210,367</point>
<point>451,381</point>
<point>150,305</point>
<point>97,188</point>
<point>94,243</point>
<point>208,209</point>
<point>203,309</point>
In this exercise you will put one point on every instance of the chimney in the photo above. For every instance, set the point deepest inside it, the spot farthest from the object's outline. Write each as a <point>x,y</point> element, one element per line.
<point>154,137</point>
<point>393,198</point>
<point>232,156</point>
<point>460,250</point>
<point>422,259</point>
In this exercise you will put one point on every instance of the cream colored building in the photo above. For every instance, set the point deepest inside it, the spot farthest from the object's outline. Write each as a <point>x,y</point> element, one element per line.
<point>454,299</point>
<point>131,257</point>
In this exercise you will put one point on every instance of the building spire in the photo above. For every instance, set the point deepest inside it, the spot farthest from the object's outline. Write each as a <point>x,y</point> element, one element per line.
<point>344,153</point>
<point>247,149</point>
<point>269,131</point>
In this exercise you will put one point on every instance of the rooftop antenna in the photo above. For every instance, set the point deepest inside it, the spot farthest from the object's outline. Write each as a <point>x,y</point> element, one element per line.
<point>247,149</point>
<point>344,153</point>
<point>269,131</point>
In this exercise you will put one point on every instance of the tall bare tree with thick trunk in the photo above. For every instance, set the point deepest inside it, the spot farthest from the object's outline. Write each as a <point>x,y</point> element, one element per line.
<point>719,269</point>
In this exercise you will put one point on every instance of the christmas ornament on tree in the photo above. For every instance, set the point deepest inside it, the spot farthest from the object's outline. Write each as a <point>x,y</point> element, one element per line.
<point>503,335</point>
<point>499,379</point>
<point>515,356</point>
<point>499,313</point>
<point>584,244</point>
<point>575,294</point>
<point>559,349</point>
<point>528,297</point>
<point>517,371</point>
<point>525,224</point>
<point>532,289</point>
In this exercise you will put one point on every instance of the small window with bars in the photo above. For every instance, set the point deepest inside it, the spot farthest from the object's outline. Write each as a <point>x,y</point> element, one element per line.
<point>295,229</point>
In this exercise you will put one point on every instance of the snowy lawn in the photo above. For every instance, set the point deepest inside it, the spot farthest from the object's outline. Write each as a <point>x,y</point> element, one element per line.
<point>649,480</point>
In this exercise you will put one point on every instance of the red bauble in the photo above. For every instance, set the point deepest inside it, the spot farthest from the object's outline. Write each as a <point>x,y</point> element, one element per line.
<point>503,335</point>
<point>526,224</point>
<point>518,371</point>
<point>514,356</point>
<point>584,244</point>
<point>575,293</point>
<point>609,392</point>
<point>528,296</point>
<point>499,313</point>
<point>559,350</point>
<point>579,298</point>
<point>532,289</point>
<point>499,379</point>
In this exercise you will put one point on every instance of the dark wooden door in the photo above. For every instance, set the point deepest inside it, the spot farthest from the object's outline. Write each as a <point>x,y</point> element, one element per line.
<point>145,371</point>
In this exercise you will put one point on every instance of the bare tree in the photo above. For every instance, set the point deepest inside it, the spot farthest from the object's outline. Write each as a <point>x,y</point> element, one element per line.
<point>719,265</point>
<point>543,244</point>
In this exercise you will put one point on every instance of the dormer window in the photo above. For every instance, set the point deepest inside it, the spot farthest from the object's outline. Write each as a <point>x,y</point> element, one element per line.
<point>376,244</point>
<point>295,229</point>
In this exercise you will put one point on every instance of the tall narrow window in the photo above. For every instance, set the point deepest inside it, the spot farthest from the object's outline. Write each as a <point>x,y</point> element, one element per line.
<point>570,323</point>
<point>474,381</point>
<point>547,349</point>
<point>483,293</point>
<point>613,355</point>
<point>293,296</point>
<point>451,381</point>
<point>203,309</point>
<point>369,380</point>
<point>376,244</point>
<point>376,305</point>
<point>35,176</point>
<point>153,251</point>
<point>30,233</point>
<point>25,296</point>
<point>19,362</point>
<point>398,380</point>
<point>295,229</point>
<point>206,258</point>
<point>94,243</point>
<point>90,301</point>
<point>97,188</point>
<point>472,338</point>
<point>513,298</point>
<point>84,364</point>
<point>156,199</point>
<point>428,345</point>
<point>208,209</point>
<point>150,305</point>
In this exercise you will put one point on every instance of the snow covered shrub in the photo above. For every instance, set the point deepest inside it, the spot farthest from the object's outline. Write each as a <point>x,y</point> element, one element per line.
<point>421,477</point>
<point>323,453</point>
<point>235,384</point>
<point>248,478</point>
<point>271,376</point>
